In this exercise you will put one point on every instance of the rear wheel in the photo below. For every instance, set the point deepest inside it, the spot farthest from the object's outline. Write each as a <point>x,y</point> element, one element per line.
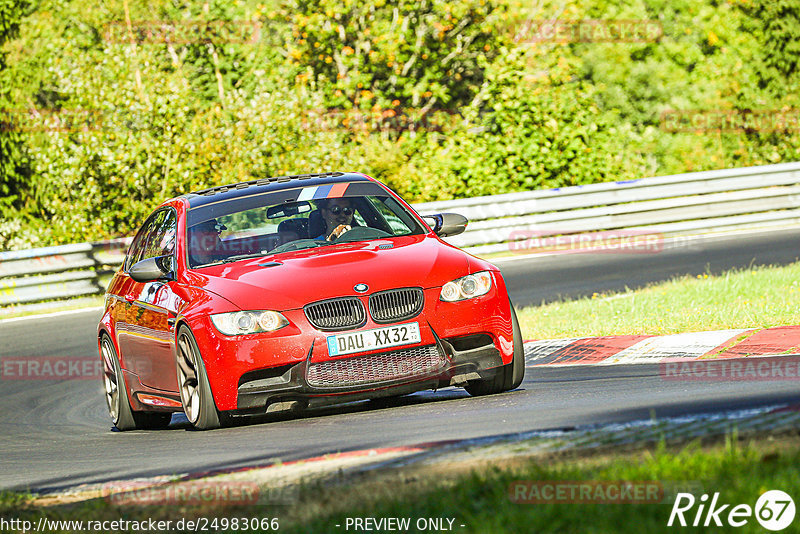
<point>508,376</point>
<point>119,406</point>
<point>198,402</point>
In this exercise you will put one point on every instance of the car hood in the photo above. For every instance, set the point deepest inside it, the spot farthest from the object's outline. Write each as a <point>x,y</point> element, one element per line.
<point>306,276</point>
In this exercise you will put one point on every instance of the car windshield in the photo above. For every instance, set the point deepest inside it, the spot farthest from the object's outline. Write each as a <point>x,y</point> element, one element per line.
<point>294,219</point>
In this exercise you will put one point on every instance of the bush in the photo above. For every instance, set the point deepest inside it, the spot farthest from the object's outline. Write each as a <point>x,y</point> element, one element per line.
<point>434,98</point>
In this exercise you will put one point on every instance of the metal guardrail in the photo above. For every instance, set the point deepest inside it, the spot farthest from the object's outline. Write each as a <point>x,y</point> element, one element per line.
<point>727,199</point>
<point>50,273</point>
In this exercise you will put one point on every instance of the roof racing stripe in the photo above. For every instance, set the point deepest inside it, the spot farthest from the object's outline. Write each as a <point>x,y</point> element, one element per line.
<point>322,191</point>
<point>338,190</point>
<point>307,193</point>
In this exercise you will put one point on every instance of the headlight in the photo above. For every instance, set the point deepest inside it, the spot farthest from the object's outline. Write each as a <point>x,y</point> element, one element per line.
<point>467,287</point>
<point>248,322</point>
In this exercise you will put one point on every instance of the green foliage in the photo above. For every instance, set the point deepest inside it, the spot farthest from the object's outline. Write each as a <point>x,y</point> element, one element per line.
<point>11,11</point>
<point>433,97</point>
<point>13,175</point>
<point>776,24</point>
<point>407,53</point>
<point>519,134</point>
<point>710,59</point>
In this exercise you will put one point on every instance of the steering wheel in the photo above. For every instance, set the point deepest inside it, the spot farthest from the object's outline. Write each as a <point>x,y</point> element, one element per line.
<point>361,233</point>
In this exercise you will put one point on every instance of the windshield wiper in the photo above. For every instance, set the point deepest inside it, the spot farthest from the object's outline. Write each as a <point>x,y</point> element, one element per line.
<point>300,244</point>
<point>237,257</point>
<point>313,244</point>
<point>230,259</point>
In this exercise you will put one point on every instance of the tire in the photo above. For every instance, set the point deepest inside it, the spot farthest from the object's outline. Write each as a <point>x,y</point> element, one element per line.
<point>116,392</point>
<point>196,397</point>
<point>508,376</point>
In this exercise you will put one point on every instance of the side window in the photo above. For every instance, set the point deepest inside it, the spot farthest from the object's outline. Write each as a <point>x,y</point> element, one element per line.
<point>161,235</point>
<point>156,238</point>
<point>393,214</point>
<point>137,246</point>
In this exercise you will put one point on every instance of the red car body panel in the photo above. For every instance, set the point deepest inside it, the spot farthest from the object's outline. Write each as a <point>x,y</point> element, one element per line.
<point>142,318</point>
<point>414,261</point>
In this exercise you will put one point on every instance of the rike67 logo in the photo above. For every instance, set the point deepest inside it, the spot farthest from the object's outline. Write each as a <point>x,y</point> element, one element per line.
<point>774,510</point>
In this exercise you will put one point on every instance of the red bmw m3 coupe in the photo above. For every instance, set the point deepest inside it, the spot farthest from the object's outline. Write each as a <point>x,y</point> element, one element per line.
<point>296,291</point>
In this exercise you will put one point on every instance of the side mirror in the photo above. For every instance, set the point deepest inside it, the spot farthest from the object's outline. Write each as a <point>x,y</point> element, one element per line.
<point>447,224</point>
<point>151,269</point>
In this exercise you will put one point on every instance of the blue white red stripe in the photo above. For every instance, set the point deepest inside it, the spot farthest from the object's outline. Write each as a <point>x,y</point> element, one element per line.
<point>323,191</point>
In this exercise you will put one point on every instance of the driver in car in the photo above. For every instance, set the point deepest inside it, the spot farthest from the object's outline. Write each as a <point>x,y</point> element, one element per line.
<point>205,245</point>
<point>338,216</point>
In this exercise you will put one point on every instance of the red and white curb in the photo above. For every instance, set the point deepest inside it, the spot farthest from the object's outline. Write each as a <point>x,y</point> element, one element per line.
<point>610,350</point>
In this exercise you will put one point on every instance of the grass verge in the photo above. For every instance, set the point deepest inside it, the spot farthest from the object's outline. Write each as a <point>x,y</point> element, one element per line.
<point>751,298</point>
<point>739,468</point>
<point>482,501</point>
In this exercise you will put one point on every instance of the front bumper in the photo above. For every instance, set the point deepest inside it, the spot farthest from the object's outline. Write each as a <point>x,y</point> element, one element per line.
<point>254,372</point>
<point>397,372</point>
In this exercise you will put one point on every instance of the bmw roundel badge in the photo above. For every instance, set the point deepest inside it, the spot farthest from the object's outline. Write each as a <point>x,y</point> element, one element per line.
<point>361,288</point>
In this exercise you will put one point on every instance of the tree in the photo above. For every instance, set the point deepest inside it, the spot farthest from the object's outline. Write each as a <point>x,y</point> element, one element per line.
<point>424,54</point>
<point>13,169</point>
<point>776,24</point>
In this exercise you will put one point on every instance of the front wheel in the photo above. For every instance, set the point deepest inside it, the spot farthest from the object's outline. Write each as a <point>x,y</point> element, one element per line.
<point>198,402</point>
<point>508,376</point>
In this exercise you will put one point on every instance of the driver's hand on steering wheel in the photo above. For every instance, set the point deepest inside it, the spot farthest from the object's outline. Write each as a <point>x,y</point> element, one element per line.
<point>338,231</point>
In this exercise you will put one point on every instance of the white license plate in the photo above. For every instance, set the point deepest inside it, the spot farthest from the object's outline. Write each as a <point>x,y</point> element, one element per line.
<point>379,338</point>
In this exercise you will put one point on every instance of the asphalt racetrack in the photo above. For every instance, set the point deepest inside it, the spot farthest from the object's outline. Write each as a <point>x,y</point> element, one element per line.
<point>57,434</point>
